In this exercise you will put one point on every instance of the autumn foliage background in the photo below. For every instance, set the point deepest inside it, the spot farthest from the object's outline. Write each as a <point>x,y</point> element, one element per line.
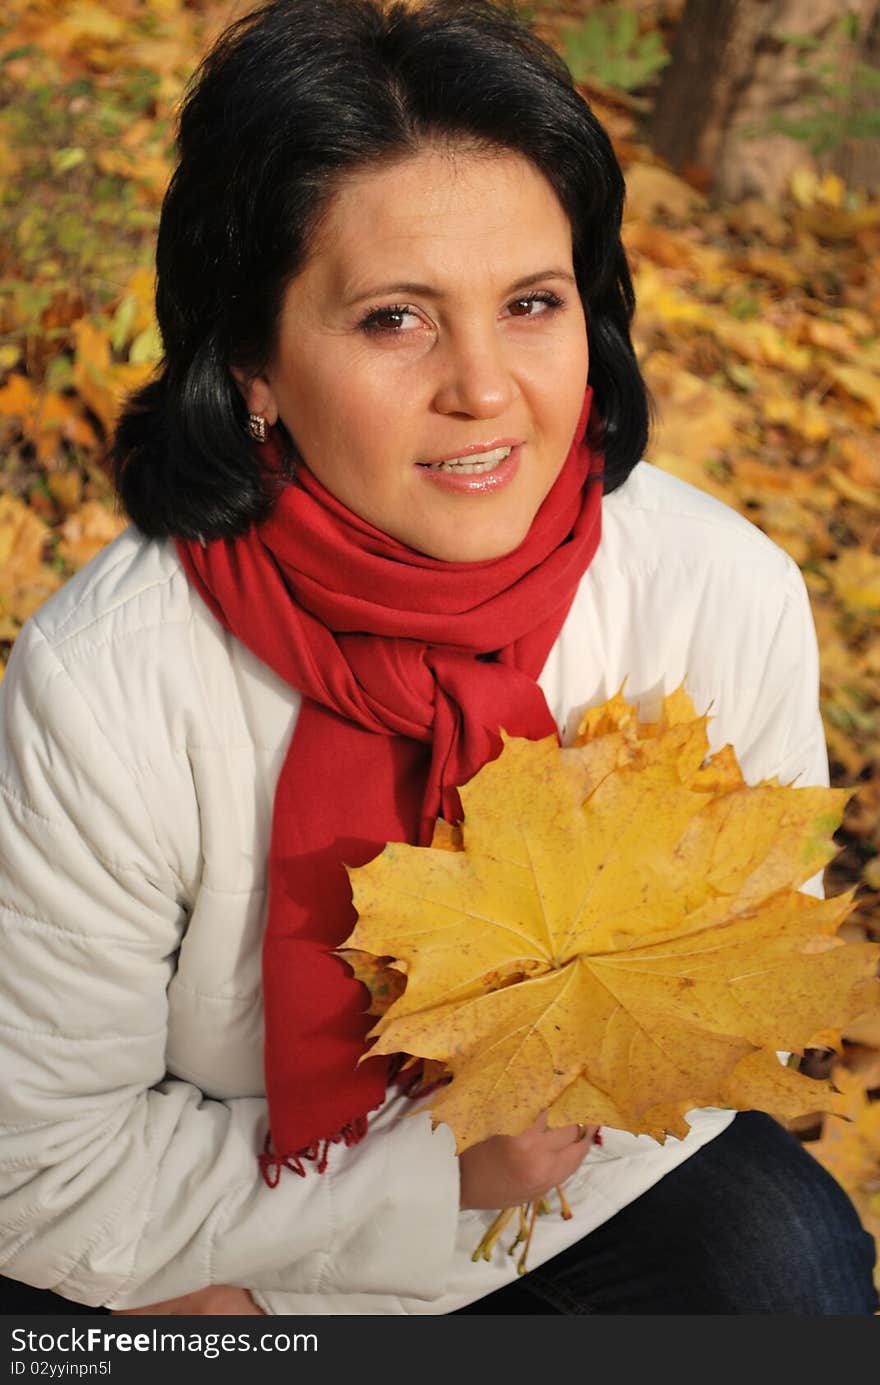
<point>756,328</point>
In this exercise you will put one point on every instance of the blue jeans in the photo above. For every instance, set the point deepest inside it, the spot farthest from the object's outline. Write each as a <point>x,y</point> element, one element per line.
<point>751,1223</point>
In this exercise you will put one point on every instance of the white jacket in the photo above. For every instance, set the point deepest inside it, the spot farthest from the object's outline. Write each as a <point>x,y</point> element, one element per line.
<point>139,749</point>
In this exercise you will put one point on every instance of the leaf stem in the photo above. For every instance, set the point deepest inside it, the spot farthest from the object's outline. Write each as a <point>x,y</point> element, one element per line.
<point>490,1236</point>
<point>521,1262</point>
<point>564,1207</point>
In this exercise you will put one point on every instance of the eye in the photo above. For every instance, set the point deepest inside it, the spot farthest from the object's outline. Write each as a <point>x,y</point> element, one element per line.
<point>389,321</point>
<point>536,304</point>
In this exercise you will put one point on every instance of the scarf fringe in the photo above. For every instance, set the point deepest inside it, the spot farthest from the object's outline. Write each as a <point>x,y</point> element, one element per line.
<point>272,1163</point>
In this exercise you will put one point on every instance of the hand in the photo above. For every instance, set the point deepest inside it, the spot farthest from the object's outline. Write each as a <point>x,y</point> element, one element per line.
<point>510,1169</point>
<point>216,1299</point>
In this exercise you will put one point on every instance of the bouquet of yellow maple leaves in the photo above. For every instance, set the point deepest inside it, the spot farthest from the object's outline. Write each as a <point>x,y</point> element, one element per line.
<point>614,934</point>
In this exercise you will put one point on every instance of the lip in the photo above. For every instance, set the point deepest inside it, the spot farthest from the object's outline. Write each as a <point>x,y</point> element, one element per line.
<point>474,448</point>
<point>477,483</point>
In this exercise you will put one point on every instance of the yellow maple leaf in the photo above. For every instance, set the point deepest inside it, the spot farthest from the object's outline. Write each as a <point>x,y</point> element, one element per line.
<point>25,579</point>
<point>102,383</point>
<point>850,1150</point>
<point>383,982</point>
<point>858,383</point>
<point>87,530</point>
<point>45,416</point>
<point>855,578</point>
<point>621,938</point>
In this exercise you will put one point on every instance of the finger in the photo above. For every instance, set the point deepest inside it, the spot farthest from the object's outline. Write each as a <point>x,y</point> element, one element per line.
<point>552,1137</point>
<point>538,1125</point>
<point>168,1308</point>
<point>560,1137</point>
<point>573,1134</point>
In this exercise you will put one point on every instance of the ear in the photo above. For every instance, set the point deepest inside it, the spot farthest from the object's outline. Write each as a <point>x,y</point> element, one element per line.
<point>257,394</point>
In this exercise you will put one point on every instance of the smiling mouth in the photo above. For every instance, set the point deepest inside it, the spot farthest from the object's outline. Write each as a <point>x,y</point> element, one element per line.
<point>471,466</point>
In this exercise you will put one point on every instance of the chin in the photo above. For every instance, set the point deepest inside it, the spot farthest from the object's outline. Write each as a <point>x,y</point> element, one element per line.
<point>475,532</point>
<point>464,542</point>
<point>476,550</point>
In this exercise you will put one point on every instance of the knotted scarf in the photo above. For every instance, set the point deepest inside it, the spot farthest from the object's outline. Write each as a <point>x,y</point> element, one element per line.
<point>407,668</point>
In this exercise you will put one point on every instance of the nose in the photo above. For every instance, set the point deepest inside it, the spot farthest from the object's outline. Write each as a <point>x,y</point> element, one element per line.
<point>475,380</point>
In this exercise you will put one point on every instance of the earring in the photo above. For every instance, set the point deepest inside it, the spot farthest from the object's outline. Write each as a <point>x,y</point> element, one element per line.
<point>258,427</point>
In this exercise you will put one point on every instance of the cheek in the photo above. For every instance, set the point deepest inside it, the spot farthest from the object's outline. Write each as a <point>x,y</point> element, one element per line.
<point>577,351</point>
<point>351,442</point>
<point>558,358</point>
<point>573,375</point>
<point>363,399</point>
<point>374,428</point>
<point>323,416</point>
<point>557,394</point>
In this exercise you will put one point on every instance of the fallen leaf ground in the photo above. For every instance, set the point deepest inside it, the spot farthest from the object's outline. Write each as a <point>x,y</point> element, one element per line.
<point>757,330</point>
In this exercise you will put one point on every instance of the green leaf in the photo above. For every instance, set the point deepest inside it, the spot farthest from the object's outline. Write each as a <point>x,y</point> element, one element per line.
<point>805,41</point>
<point>59,373</point>
<point>627,30</point>
<point>146,349</point>
<point>63,160</point>
<point>744,308</point>
<point>24,50</point>
<point>741,376</point>
<point>122,322</point>
<point>607,47</point>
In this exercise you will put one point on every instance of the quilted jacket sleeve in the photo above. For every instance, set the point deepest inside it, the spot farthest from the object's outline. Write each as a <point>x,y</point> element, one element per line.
<point>787,740</point>
<point>779,733</point>
<point>118,1184</point>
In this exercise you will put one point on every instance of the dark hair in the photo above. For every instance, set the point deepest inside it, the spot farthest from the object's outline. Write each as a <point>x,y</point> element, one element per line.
<point>291,98</point>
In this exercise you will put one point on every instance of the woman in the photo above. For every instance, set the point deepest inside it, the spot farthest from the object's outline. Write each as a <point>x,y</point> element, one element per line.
<point>367,495</point>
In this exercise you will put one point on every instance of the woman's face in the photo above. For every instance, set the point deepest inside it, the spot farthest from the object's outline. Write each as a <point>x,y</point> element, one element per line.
<point>432,353</point>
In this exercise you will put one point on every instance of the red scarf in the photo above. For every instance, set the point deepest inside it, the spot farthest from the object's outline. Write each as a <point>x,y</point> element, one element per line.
<point>397,710</point>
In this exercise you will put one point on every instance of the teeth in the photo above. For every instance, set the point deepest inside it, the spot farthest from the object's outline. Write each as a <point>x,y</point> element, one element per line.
<point>473,465</point>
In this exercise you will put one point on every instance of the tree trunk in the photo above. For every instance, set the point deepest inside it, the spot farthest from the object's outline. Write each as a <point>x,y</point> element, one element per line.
<point>728,76</point>
<point>858,160</point>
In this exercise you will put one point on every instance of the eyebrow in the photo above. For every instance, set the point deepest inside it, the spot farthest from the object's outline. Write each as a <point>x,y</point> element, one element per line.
<point>428,290</point>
